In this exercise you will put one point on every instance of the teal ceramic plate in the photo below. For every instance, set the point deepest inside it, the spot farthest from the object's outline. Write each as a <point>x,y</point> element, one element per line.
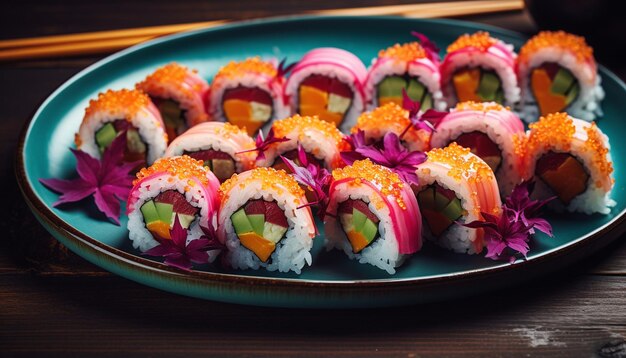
<point>332,281</point>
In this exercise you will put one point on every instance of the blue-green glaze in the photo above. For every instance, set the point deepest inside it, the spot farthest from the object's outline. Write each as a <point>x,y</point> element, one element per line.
<point>332,281</point>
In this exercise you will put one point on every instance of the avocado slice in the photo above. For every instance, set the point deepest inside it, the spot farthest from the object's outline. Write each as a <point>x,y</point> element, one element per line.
<point>573,93</point>
<point>391,86</point>
<point>499,98</point>
<point>369,230</point>
<point>488,86</point>
<point>415,90</point>
<point>134,142</point>
<point>347,222</point>
<point>441,201</point>
<point>257,221</point>
<point>105,135</point>
<point>358,219</point>
<point>240,222</point>
<point>165,211</point>
<point>427,102</point>
<point>273,232</point>
<point>562,81</point>
<point>185,220</point>
<point>149,212</point>
<point>426,198</point>
<point>454,210</point>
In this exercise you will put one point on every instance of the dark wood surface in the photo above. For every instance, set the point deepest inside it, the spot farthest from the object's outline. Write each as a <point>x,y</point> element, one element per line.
<point>54,303</point>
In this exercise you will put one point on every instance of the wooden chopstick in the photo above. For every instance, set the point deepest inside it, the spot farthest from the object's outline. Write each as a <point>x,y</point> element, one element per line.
<point>109,41</point>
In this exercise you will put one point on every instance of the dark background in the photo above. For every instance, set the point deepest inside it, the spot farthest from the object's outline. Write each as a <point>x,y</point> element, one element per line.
<point>54,303</point>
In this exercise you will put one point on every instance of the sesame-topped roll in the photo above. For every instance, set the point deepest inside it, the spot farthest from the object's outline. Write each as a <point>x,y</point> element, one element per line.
<point>558,73</point>
<point>410,67</point>
<point>570,158</point>
<point>479,68</point>
<point>455,185</point>
<point>179,94</point>
<point>223,147</point>
<point>372,216</point>
<point>321,141</point>
<point>175,187</point>
<point>490,131</point>
<point>328,83</point>
<point>248,94</point>
<point>129,111</point>
<point>392,118</point>
<point>263,221</point>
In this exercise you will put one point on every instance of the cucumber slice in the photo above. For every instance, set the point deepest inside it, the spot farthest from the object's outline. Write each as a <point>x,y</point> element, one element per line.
<point>415,90</point>
<point>105,135</point>
<point>427,102</point>
<point>185,220</point>
<point>562,81</point>
<point>149,212</point>
<point>489,84</point>
<point>257,221</point>
<point>165,211</point>
<point>391,86</point>
<point>369,230</point>
<point>358,219</point>
<point>240,222</point>
<point>572,94</point>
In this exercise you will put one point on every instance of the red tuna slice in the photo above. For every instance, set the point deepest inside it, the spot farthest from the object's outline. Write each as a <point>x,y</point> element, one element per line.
<point>327,84</point>
<point>550,161</point>
<point>208,154</point>
<point>347,206</point>
<point>447,193</point>
<point>179,203</point>
<point>274,214</point>
<point>481,144</point>
<point>250,94</point>
<point>255,207</point>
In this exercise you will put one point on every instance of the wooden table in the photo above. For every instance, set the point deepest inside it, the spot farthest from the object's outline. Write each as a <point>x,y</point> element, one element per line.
<point>54,303</point>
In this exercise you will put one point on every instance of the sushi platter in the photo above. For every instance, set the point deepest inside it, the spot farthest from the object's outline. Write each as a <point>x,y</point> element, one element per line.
<point>333,162</point>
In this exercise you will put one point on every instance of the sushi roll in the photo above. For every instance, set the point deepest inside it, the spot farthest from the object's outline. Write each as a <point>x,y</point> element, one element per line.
<point>117,111</point>
<point>328,82</point>
<point>490,131</point>
<point>262,221</point>
<point>455,185</point>
<point>479,68</point>
<point>570,158</point>
<point>179,94</point>
<point>372,216</point>
<point>558,73</point>
<point>392,118</point>
<point>321,141</point>
<point>223,147</point>
<point>172,187</point>
<point>407,67</point>
<point>248,94</point>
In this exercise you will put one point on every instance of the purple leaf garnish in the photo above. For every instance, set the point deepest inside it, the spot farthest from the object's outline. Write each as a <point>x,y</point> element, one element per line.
<point>108,179</point>
<point>178,253</point>
<point>508,234</point>
<point>432,51</point>
<point>263,144</point>
<point>283,68</point>
<point>427,121</point>
<point>314,177</point>
<point>392,155</point>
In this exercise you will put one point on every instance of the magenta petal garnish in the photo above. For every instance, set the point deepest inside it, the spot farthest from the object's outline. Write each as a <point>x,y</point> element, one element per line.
<point>178,253</point>
<point>432,51</point>
<point>108,179</point>
<point>392,155</point>
<point>283,68</point>
<point>427,121</point>
<point>263,144</point>
<point>509,234</point>
<point>314,177</point>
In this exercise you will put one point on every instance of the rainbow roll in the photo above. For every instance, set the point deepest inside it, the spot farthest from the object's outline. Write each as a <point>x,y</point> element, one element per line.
<point>372,216</point>
<point>223,147</point>
<point>407,67</point>
<point>262,221</point>
<point>328,82</point>
<point>455,185</point>
<point>179,93</point>
<point>558,73</point>
<point>490,131</point>
<point>117,111</point>
<point>172,187</point>
<point>321,141</point>
<point>248,94</point>
<point>570,158</point>
<point>392,118</point>
<point>479,68</point>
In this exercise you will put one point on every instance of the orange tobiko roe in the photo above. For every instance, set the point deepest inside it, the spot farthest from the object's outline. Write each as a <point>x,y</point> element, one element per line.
<point>270,178</point>
<point>480,40</point>
<point>572,43</point>
<point>406,52</point>
<point>131,100</point>
<point>183,167</point>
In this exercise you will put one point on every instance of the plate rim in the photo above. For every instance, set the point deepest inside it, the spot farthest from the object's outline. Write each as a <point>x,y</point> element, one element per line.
<point>143,265</point>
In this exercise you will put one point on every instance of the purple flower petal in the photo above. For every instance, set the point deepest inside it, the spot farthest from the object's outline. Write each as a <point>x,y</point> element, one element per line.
<point>87,167</point>
<point>108,204</point>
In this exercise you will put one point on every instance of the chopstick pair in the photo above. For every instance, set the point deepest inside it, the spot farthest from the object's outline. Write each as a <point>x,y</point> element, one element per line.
<point>113,40</point>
